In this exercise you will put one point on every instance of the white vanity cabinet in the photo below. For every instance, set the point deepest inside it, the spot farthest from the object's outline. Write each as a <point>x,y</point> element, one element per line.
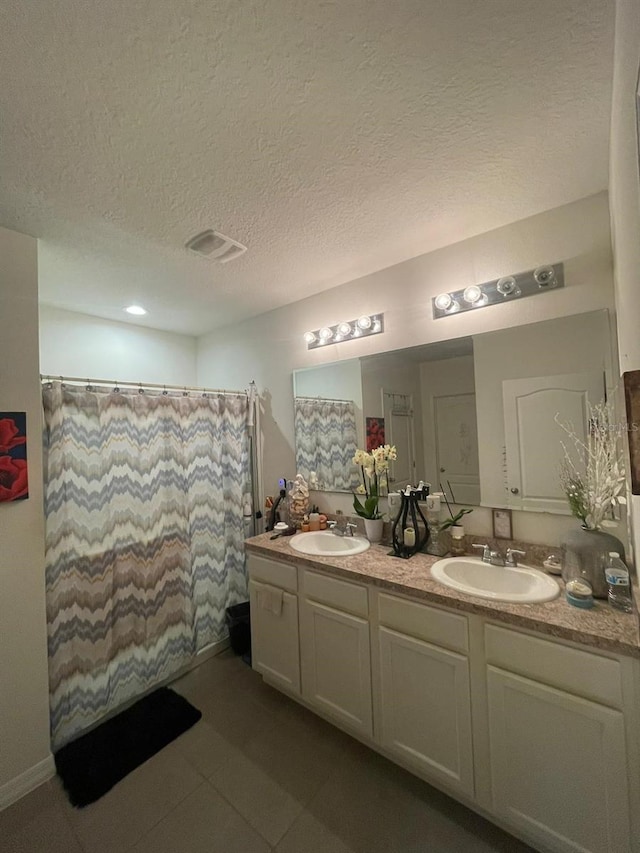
<point>424,694</point>
<point>335,650</point>
<point>539,734</point>
<point>558,745</point>
<point>275,644</point>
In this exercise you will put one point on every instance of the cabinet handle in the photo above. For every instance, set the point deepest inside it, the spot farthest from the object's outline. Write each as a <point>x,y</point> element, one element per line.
<point>514,490</point>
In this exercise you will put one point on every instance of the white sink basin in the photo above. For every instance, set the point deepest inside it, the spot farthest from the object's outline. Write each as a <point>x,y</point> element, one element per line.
<point>499,583</point>
<point>324,543</point>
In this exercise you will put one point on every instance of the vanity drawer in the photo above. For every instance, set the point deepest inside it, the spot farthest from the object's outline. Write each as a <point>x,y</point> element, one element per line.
<point>282,575</point>
<point>576,671</point>
<point>427,623</point>
<point>339,594</point>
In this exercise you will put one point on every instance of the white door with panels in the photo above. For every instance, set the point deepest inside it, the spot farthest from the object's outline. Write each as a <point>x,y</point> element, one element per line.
<point>399,430</point>
<point>533,438</point>
<point>456,440</point>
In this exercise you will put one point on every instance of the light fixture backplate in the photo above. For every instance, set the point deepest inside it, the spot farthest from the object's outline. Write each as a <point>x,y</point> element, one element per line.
<point>526,285</point>
<point>376,327</point>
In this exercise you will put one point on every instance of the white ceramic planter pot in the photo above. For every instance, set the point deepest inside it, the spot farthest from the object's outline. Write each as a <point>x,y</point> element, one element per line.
<point>373,529</point>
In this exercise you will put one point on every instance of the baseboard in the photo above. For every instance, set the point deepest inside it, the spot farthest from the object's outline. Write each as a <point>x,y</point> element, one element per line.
<point>23,784</point>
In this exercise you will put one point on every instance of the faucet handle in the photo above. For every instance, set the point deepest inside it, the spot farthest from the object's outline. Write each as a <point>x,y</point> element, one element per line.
<point>512,557</point>
<point>332,524</point>
<point>486,551</point>
<point>350,527</point>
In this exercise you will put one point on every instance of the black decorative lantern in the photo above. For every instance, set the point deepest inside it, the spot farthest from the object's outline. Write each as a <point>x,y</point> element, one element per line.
<point>409,518</point>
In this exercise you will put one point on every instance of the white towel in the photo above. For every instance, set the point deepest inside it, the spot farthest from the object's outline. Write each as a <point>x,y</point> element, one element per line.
<point>271,599</point>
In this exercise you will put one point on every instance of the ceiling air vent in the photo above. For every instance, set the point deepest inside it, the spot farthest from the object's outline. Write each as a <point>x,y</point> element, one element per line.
<point>215,246</point>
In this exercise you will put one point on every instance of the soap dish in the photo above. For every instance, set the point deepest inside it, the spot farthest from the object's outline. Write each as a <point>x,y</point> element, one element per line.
<point>552,565</point>
<point>579,593</point>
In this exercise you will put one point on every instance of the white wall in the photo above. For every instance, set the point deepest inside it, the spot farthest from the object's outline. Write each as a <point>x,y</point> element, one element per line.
<point>267,348</point>
<point>624,187</point>
<point>24,708</point>
<point>73,344</point>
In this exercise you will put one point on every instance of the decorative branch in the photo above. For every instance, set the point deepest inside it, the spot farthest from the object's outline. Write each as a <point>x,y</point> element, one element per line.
<point>593,477</point>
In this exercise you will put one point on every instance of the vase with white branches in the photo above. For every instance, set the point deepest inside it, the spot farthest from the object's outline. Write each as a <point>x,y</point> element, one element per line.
<point>592,476</point>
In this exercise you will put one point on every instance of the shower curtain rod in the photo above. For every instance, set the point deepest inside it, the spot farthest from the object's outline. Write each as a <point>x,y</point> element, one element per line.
<point>185,388</point>
<point>324,399</point>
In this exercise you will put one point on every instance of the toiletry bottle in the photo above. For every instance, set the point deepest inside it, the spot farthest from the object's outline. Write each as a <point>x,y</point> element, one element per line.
<point>314,521</point>
<point>617,576</point>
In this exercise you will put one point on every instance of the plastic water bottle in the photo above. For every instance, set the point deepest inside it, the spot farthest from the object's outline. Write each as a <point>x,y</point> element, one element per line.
<point>617,576</point>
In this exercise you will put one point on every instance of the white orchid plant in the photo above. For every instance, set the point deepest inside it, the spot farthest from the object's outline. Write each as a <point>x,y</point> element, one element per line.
<point>592,475</point>
<point>374,466</point>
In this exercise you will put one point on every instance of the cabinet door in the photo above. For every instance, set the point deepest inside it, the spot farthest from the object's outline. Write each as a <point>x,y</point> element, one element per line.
<point>336,665</point>
<point>558,766</point>
<point>426,708</point>
<point>275,649</point>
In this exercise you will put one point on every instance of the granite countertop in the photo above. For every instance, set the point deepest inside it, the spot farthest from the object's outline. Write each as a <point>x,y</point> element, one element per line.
<point>601,627</point>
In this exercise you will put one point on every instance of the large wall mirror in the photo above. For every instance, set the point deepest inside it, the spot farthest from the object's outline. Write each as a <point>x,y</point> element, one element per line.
<point>474,417</point>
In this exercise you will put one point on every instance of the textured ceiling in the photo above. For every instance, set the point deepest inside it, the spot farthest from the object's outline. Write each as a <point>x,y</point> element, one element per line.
<point>333,137</point>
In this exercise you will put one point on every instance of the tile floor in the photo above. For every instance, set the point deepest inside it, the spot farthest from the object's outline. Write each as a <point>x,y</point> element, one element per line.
<point>258,773</point>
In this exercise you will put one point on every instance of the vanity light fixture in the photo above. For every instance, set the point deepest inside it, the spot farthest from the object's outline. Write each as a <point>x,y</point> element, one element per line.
<point>505,289</point>
<point>507,285</point>
<point>325,334</point>
<point>367,324</point>
<point>473,295</point>
<point>445,302</point>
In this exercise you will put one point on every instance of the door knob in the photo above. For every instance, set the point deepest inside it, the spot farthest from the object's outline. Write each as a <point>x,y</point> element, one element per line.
<point>442,470</point>
<point>514,491</point>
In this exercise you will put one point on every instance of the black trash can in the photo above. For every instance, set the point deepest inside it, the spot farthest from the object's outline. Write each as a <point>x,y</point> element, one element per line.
<point>239,625</point>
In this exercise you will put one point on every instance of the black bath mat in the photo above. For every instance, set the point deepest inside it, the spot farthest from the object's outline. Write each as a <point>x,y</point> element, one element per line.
<point>93,763</point>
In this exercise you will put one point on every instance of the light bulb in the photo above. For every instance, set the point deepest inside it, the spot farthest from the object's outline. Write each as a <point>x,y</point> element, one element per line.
<point>309,337</point>
<point>326,334</point>
<point>545,276</point>
<point>472,294</point>
<point>444,301</point>
<point>138,310</point>
<point>364,322</point>
<point>506,286</point>
<point>344,329</point>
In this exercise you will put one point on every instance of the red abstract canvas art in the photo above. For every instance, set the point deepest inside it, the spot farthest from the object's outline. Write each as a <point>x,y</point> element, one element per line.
<point>14,485</point>
<point>375,433</point>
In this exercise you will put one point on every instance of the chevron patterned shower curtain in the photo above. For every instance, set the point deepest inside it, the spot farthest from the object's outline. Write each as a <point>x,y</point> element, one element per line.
<point>144,539</point>
<point>326,441</point>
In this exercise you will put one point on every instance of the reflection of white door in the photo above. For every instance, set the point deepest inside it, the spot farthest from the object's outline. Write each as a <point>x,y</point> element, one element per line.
<point>398,425</point>
<point>456,440</point>
<point>533,439</point>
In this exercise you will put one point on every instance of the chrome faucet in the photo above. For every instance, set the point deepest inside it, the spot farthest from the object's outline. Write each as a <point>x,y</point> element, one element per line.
<point>345,528</point>
<point>495,558</point>
<point>512,557</point>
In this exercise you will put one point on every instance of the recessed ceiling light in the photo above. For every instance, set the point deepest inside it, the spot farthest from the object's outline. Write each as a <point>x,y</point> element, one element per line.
<point>138,310</point>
